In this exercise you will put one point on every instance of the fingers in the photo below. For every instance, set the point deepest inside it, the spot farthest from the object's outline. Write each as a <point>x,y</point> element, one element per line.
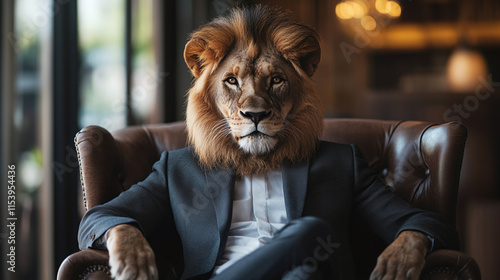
<point>146,265</point>
<point>395,269</point>
<point>378,272</point>
<point>130,256</point>
<point>385,268</point>
<point>138,264</point>
<point>412,274</point>
<point>403,259</point>
<point>127,269</point>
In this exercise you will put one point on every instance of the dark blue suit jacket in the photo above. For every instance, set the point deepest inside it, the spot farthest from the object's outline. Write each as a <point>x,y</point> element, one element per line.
<point>196,204</point>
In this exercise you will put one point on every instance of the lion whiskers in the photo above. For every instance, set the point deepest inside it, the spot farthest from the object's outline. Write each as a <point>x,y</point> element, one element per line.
<point>220,130</point>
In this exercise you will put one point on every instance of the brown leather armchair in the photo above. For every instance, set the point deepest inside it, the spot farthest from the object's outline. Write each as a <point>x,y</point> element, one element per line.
<point>421,161</point>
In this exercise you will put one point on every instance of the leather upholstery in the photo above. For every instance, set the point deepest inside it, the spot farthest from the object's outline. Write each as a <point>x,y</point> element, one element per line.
<point>421,161</point>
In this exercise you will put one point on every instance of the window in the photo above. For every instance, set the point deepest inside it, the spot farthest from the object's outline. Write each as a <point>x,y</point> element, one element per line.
<point>101,28</point>
<point>110,96</point>
<point>67,64</point>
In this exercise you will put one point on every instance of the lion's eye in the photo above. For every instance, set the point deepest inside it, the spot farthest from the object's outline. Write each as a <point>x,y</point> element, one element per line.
<point>232,81</point>
<point>276,80</point>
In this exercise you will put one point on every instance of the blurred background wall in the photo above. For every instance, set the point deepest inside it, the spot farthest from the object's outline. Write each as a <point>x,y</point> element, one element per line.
<point>66,64</point>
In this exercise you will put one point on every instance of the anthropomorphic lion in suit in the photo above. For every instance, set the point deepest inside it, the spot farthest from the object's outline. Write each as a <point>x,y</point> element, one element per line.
<point>280,201</point>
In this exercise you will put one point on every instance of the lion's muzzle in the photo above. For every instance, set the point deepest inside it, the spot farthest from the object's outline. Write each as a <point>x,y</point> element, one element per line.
<point>255,117</point>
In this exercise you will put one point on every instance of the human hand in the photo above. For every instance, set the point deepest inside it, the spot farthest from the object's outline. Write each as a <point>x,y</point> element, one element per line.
<point>130,255</point>
<point>403,259</point>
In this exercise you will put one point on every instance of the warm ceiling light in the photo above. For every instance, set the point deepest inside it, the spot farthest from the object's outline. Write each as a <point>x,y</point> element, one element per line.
<point>381,6</point>
<point>393,9</point>
<point>368,23</point>
<point>351,9</point>
<point>388,7</point>
<point>344,10</point>
<point>464,68</point>
<point>359,8</point>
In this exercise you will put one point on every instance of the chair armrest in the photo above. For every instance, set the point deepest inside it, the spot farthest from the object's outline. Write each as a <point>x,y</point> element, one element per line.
<point>93,265</point>
<point>442,264</point>
<point>88,264</point>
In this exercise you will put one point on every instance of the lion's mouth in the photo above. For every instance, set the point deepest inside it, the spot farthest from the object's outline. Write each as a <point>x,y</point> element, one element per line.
<point>256,134</point>
<point>257,142</point>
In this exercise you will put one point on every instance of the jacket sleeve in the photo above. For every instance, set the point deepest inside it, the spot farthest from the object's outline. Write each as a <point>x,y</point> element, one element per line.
<point>145,205</point>
<point>388,214</point>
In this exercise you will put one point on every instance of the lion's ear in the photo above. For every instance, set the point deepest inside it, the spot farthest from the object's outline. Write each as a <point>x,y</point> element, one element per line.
<point>310,55</point>
<point>200,53</point>
<point>307,54</point>
<point>193,55</point>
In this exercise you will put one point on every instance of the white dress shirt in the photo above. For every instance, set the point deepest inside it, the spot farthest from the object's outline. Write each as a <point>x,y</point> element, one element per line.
<point>258,212</point>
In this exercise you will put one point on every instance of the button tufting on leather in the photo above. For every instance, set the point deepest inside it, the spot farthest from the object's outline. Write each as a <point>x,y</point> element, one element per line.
<point>427,172</point>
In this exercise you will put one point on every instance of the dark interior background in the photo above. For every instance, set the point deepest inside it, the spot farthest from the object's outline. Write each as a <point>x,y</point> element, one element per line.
<point>67,64</point>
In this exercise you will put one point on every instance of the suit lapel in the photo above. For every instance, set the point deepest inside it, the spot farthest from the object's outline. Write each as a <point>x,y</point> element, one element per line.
<point>295,187</point>
<point>220,186</point>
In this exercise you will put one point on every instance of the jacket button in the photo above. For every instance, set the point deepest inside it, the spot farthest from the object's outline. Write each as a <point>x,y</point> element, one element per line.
<point>92,237</point>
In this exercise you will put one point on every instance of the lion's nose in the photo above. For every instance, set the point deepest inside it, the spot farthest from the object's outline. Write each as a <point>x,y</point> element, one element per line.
<point>255,117</point>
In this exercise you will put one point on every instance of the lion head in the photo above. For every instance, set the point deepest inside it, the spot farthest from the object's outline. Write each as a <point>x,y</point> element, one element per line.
<point>253,105</point>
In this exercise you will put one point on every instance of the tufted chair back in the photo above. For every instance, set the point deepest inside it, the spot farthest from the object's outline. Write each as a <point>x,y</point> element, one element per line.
<point>421,161</point>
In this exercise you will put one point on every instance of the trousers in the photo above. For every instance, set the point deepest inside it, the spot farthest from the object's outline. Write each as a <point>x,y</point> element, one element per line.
<point>302,249</point>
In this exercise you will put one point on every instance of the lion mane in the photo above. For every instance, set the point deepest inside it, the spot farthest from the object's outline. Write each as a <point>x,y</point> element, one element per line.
<point>254,29</point>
